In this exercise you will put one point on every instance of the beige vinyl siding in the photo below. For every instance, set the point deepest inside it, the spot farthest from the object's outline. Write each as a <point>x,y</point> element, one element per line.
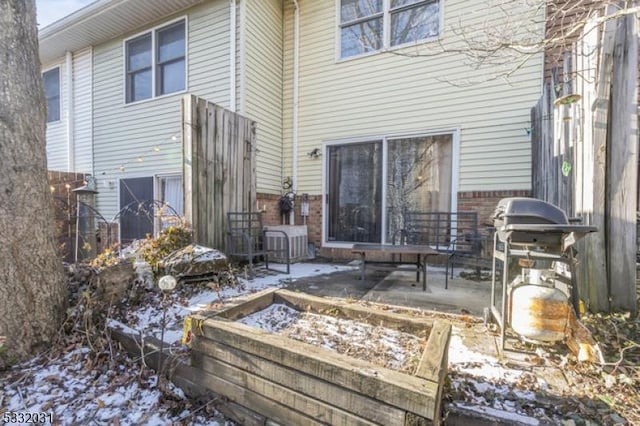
<point>82,111</point>
<point>384,93</point>
<point>125,132</point>
<point>56,136</point>
<point>263,87</point>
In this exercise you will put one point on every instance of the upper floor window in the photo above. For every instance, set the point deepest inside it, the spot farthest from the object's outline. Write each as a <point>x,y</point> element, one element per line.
<point>156,62</point>
<point>370,25</point>
<point>51,80</point>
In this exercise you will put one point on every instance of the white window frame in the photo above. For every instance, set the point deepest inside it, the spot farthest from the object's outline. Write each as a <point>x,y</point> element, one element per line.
<point>157,195</point>
<point>59,92</point>
<point>154,63</point>
<point>385,138</point>
<point>386,30</point>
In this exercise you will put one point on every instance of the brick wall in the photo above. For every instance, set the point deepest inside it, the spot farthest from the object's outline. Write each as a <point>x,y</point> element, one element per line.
<point>484,202</point>
<point>268,203</point>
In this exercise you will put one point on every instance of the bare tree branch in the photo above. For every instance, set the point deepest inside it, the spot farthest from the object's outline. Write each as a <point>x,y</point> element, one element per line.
<point>508,37</point>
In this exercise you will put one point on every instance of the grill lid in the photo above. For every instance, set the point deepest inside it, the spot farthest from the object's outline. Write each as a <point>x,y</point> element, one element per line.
<point>532,222</point>
<point>520,210</point>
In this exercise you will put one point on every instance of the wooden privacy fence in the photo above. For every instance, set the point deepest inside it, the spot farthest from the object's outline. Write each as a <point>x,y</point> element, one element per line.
<point>584,157</point>
<point>218,169</point>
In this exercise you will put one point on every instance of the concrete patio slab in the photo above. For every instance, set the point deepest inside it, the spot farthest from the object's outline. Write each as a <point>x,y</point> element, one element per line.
<point>461,297</point>
<point>399,287</point>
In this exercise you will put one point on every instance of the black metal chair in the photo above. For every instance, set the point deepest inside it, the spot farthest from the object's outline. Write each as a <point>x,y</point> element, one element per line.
<point>248,240</point>
<point>454,234</point>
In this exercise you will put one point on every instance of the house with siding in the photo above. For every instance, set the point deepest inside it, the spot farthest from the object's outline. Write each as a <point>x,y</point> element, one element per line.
<point>367,107</point>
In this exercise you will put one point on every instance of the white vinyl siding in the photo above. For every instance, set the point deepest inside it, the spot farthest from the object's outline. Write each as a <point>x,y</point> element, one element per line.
<point>263,88</point>
<point>56,136</point>
<point>383,93</point>
<point>82,111</point>
<point>127,133</point>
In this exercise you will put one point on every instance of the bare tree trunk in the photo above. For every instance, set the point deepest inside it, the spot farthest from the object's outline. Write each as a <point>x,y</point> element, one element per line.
<point>32,289</point>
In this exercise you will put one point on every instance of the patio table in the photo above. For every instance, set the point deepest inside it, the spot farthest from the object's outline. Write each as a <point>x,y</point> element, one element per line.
<point>422,252</point>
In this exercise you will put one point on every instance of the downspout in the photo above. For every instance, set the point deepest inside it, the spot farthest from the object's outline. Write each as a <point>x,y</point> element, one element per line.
<point>70,130</point>
<point>232,56</point>
<point>296,70</point>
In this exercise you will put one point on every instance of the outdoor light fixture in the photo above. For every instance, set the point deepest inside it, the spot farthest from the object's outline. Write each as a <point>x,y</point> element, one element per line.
<point>167,283</point>
<point>315,154</point>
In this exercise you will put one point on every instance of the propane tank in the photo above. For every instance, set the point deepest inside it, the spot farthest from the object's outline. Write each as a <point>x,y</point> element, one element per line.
<point>539,312</point>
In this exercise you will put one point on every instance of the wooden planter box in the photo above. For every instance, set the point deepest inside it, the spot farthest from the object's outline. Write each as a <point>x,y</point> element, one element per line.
<point>295,383</point>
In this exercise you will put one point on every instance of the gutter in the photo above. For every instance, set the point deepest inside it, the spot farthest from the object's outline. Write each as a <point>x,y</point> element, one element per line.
<point>232,55</point>
<point>296,88</point>
<point>77,17</point>
<point>70,112</point>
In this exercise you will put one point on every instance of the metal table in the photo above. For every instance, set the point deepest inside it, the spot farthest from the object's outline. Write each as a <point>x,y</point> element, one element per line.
<point>422,252</point>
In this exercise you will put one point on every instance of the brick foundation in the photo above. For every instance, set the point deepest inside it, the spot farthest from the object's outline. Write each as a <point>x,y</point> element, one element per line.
<point>268,203</point>
<point>484,202</point>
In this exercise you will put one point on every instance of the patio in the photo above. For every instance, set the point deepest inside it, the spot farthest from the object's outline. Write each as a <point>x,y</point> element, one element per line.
<point>399,287</point>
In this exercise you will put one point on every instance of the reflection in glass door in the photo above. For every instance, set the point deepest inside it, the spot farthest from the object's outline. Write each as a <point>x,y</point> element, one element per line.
<point>355,192</point>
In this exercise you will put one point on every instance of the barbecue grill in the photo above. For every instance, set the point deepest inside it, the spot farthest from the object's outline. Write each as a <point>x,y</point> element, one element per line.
<point>532,222</point>
<point>534,300</point>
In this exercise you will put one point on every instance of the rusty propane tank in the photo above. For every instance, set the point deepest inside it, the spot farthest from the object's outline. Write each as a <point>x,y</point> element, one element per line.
<point>539,313</point>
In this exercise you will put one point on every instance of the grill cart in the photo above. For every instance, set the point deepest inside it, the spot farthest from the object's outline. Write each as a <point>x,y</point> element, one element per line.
<point>533,245</point>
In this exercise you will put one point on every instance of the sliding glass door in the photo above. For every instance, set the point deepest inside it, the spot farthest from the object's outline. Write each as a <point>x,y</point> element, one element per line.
<point>355,192</point>
<point>371,186</point>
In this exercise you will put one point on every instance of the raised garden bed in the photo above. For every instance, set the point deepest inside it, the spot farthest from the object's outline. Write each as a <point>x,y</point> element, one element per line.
<point>293,383</point>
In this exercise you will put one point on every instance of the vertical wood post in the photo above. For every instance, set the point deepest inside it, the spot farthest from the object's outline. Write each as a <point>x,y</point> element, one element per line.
<point>595,256</point>
<point>188,102</point>
<point>622,164</point>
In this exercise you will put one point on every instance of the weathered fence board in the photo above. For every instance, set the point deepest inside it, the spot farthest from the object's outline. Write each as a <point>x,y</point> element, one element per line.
<point>622,165</point>
<point>218,169</point>
<point>584,158</point>
<point>596,254</point>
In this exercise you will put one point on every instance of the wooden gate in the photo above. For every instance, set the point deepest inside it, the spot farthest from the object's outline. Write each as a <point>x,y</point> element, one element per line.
<point>219,168</point>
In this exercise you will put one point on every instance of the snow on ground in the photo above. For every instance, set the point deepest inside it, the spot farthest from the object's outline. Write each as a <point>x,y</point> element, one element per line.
<point>488,386</point>
<point>79,392</point>
<point>379,345</point>
<point>149,319</point>
<point>72,394</point>
<point>117,394</point>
